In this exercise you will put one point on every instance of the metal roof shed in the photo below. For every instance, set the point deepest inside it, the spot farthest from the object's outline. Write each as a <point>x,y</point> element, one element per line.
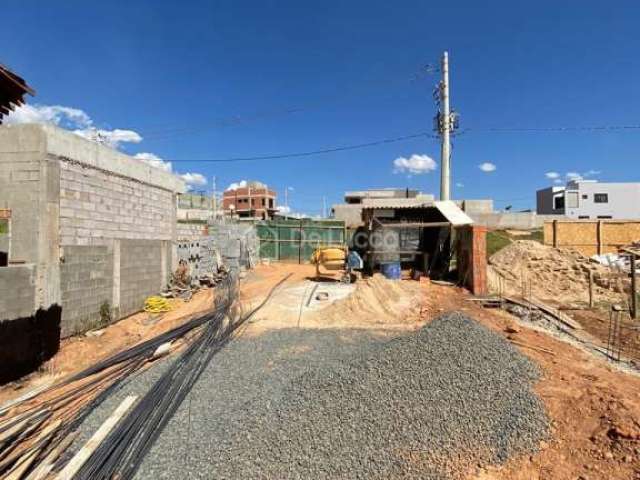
<point>417,233</point>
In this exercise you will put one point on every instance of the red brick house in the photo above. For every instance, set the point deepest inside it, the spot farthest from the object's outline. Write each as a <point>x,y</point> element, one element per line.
<point>250,200</point>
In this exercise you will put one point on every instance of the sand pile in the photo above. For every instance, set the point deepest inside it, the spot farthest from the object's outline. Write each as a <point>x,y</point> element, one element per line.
<point>556,275</point>
<point>376,299</point>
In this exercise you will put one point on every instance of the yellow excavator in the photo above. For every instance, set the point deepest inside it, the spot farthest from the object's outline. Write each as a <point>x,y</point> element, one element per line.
<point>335,258</point>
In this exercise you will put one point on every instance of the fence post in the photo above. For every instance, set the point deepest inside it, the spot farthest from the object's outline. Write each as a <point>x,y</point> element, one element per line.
<point>634,293</point>
<point>599,237</point>
<point>555,234</point>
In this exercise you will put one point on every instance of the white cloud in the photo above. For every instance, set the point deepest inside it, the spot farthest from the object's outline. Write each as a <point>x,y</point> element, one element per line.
<point>53,114</point>
<point>575,176</point>
<point>487,167</point>
<point>72,119</point>
<point>414,165</point>
<point>111,138</point>
<point>591,173</point>
<point>190,178</point>
<point>81,124</point>
<point>194,179</point>
<point>237,185</point>
<point>558,181</point>
<point>154,161</point>
<point>552,175</point>
<point>283,209</point>
<point>460,185</point>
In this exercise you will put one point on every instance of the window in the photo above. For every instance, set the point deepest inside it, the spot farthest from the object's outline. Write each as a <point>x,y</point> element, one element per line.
<point>558,202</point>
<point>263,202</point>
<point>572,199</point>
<point>601,197</point>
<point>604,216</point>
<point>585,196</point>
<point>584,217</point>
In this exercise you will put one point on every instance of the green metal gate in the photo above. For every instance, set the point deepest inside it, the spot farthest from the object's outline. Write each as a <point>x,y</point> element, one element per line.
<point>294,240</point>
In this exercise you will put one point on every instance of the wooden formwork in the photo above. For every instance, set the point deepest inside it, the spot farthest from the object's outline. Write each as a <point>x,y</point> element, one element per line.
<point>591,237</point>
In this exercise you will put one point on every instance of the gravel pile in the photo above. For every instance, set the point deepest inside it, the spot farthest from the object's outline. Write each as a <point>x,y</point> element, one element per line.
<point>429,405</point>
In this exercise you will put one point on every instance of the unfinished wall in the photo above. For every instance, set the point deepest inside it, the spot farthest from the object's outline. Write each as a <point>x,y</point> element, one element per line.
<point>27,337</point>
<point>191,231</point>
<point>97,206</point>
<point>142,272</point>
<point>514,220</point>
<point>86,276</point>
<point>472,258</point>
<point>592,237</point>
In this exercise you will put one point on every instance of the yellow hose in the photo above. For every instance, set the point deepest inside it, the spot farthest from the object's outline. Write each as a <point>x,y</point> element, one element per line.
<point>157,305</point>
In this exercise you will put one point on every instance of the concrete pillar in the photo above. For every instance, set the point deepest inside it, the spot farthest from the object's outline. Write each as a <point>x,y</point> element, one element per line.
<point>115,304</point>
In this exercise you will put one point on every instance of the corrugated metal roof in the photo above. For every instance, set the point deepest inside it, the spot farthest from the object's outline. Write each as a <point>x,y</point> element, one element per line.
<point>395,203</point>
<point>447,208</point>
<point>453,213</point>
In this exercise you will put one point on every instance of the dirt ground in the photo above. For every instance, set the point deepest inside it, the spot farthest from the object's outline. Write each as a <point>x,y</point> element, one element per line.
<point>594,408</point>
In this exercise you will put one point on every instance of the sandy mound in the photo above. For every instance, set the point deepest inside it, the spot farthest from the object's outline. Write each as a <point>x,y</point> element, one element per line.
<point>375,300</point>
<point>556,275</point>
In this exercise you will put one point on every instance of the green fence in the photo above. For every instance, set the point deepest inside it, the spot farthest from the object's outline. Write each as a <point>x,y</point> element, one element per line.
<point>294,240</point>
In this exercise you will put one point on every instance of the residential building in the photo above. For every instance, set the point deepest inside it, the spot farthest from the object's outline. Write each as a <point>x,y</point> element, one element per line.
<point>250,200</point>
<point>590,199</point>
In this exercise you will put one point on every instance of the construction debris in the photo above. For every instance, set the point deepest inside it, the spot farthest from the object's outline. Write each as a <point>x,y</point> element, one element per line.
<point>528,268</point>
<point>33,429</point>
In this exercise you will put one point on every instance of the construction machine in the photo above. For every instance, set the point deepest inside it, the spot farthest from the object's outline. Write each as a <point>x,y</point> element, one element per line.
<point>336,258</point>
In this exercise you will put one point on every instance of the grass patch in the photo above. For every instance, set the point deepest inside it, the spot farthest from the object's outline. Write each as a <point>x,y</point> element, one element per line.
<point>498,239</point>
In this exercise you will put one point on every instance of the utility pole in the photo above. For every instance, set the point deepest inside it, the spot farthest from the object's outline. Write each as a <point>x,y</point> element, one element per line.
<point>445,129</point>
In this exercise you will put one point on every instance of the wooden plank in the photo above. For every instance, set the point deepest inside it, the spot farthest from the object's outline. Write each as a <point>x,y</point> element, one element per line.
<point>85,452</point>
<point>28,395</point>
<point>566,319</point>
<point>47,464</point>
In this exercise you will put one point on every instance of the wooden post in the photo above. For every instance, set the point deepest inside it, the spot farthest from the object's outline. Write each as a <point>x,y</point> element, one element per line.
<point>634,293</point>
<point>590,288</point>
<point>555,234</point>
<point>599,237</point>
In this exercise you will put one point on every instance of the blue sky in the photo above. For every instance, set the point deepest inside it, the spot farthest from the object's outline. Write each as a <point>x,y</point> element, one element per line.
<point>217,79</point>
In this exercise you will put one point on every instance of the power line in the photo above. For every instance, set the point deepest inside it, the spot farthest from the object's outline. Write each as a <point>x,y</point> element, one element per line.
<point>597,128</point>
<point>309,105</point>
<point>308,153</point>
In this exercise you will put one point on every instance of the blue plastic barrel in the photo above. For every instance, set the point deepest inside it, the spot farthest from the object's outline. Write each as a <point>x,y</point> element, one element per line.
<point>391,270</point>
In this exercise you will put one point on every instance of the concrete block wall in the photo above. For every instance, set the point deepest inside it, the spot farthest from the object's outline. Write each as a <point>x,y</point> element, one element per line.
<point>17,291</point>
<point>143,272</point>
<point>27,337</point>
<point>86,275</point>
<point>191,231</point>
<point>97,206</point>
